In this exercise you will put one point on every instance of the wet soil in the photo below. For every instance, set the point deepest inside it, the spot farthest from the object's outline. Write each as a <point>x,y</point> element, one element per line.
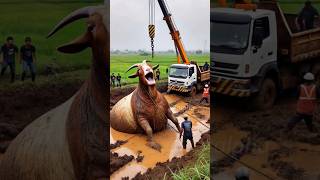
<point>156,166</point>
<point>117,162</point>
<point>19,107</point>
<point>269,148</point>
<point>175,164</point>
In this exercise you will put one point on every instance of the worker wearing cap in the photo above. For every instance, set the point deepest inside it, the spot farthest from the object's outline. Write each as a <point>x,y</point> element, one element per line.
<point>205,94</point>
<point>186,130</point>
<point>308,94</point>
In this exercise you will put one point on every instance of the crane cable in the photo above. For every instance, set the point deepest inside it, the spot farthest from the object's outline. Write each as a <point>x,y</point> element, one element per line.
<point>151,26</point>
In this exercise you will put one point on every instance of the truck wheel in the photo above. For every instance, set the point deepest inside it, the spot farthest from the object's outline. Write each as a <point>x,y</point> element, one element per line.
<point>267,95</point>
<point>193,91</point>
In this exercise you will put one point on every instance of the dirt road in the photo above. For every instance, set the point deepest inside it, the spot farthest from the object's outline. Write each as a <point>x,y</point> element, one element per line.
<point>259,140</point>
<point>144,157</point>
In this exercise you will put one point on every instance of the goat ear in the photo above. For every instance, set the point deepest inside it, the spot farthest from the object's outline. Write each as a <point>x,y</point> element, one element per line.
<point>134,75</point>
<point>77,45</point>
<point>155,67</point>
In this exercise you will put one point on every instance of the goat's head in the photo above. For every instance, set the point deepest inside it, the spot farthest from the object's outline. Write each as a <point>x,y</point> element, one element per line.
<point>144,72</point>
<point>96,36</point>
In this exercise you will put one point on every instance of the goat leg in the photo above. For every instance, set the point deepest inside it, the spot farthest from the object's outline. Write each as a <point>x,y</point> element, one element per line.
<point>175,121</point>
<point>148,130</point>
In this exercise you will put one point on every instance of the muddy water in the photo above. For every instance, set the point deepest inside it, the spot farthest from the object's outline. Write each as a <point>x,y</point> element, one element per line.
<point>304,156</point>
<point>257,159</point>
<point>168,139</point>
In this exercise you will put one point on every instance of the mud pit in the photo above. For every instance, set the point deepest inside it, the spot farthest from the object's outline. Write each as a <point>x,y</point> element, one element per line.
<point>259,140</point>
<point>169,139</point>
<point>19,107</point>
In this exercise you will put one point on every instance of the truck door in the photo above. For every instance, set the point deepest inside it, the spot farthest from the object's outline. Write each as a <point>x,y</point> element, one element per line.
<point>262,50</point>
<point>192,75</point>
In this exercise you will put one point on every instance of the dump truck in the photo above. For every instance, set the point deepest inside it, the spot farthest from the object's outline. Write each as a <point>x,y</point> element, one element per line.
<point>187,78</point>
<point>260,52</point>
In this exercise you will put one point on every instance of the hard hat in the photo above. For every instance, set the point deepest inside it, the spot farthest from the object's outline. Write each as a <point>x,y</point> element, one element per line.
<point>206,85</point>
<point>308,76</point>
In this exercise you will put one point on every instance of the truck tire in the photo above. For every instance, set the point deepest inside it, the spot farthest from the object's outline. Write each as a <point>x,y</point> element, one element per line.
<point>193,91</point>
<point>267,95</point>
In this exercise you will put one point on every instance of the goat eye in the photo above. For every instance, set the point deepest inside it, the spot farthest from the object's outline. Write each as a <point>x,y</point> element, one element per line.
<point>90,27</point>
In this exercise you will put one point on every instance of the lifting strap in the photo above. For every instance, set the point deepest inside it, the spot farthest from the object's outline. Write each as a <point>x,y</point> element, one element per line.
<point>151,26</point>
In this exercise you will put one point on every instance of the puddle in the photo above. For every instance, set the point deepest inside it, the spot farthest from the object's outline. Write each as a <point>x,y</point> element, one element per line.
<point>227,140</point>
<point>168,139</point>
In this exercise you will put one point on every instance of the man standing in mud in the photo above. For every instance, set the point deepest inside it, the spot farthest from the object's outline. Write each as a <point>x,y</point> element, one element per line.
<point>27,59</point>
<point>205,94</point>
<point>186,130</point>
<point>308,95</point>
<point>10,52</point>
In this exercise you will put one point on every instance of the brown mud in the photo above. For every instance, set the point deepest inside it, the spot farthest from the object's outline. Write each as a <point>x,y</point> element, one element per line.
<point>19,107</point>
<point>258,138</point>
<point>166,168</point>
<point>149,162</point>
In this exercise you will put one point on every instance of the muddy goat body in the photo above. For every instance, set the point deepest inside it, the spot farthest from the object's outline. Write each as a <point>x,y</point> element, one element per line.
<point>69,142</point>
<point>138,106</point>
<point>145,110</point>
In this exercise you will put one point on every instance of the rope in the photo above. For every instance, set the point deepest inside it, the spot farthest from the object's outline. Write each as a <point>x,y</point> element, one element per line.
<point>241,162</point>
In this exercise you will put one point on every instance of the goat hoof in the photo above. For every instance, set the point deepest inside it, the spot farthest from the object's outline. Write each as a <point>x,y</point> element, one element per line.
<point>154,145</point>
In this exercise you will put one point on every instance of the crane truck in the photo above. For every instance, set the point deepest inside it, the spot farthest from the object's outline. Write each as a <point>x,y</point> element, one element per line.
<point>187,77</point>
<point>260,52</point>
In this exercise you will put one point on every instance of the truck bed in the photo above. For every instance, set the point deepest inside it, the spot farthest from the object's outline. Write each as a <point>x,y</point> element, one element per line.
<point>203,75</point>
<point>293,46</point>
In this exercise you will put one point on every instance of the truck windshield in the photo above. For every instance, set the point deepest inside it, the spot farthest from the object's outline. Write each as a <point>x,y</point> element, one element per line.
<point>227,37</point>
<point>178,72</point>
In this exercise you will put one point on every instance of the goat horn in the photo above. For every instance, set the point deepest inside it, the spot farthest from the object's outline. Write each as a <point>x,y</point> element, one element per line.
<point>133,66</point>
<point>75,15</point>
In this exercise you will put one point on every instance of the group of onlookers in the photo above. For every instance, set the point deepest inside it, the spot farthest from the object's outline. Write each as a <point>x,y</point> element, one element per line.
<point>9,52</point>
<point>115,80</point>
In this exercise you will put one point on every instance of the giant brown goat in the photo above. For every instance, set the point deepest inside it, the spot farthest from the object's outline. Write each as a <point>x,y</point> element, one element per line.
<point>145,110</point>
<point>70,141</point>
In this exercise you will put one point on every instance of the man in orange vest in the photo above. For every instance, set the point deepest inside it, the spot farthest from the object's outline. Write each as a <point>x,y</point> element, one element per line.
<point>205,94</point>
<point>307,102</point>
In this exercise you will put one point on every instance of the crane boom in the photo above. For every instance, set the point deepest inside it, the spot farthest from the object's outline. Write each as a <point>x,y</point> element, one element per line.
<point>173,31</point>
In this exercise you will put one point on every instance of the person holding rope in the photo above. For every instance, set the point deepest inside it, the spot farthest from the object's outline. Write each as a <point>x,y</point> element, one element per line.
<point>186,129</point>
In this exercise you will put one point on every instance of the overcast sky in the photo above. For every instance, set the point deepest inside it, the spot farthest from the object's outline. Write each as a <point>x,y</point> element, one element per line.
<point>130,18</point>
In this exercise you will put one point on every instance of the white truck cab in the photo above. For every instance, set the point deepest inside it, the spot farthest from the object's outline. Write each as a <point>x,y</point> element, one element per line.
<point>243,43</point>
<point>186,78</point>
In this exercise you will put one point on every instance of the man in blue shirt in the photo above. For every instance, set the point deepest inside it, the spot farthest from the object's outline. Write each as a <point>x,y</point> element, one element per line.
<point>28,58</point>
<point>9,52</point>
<point>186,127</point>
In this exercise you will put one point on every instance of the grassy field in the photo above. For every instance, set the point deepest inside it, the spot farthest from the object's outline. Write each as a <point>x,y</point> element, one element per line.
<point>35,19</point>
<point>120,64</point>
<point>199,170</point>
